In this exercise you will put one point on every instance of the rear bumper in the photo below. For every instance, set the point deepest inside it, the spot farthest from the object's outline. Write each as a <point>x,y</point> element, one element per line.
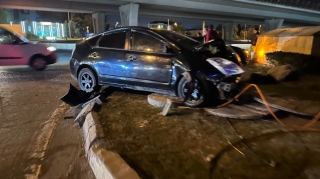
<point>51,58</point>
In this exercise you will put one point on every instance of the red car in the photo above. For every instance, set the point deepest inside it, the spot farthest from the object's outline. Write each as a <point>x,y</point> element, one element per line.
<point>17,50</point>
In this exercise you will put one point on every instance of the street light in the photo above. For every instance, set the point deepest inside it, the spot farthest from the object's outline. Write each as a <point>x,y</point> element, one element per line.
<point>175,24</point>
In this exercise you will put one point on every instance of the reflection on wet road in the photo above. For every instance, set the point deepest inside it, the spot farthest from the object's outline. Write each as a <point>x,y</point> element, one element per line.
<point>27,100</point>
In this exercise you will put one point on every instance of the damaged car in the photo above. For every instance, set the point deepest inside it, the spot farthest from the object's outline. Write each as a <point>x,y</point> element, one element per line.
<point>143,59</point>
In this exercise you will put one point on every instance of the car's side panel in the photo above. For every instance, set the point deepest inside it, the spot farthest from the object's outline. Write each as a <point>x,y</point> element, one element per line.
<point>108,57</point>
<point>11,55</point>
<point>152,66</point>
<point>110,64</point>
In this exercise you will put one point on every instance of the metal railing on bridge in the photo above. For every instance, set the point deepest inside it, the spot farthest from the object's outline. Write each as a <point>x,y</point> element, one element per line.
<point>304,4</point>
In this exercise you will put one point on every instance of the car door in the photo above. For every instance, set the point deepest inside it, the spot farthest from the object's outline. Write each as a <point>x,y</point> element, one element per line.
<point>109,57</point>
<point>10,53</point>
<point>152,66</point>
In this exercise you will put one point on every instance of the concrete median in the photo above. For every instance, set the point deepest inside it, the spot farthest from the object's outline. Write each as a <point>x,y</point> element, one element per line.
<point>104,164</point>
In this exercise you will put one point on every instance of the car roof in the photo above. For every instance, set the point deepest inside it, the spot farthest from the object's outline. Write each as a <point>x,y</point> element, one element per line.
<point>127,27</point>
<point>141,28</point>
<point>156,32</point>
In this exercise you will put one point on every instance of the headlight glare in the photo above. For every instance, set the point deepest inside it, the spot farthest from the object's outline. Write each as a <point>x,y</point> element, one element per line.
<point>51,49</point>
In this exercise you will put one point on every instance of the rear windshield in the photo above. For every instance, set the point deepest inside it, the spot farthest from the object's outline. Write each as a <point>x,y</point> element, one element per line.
<point>181,40</point>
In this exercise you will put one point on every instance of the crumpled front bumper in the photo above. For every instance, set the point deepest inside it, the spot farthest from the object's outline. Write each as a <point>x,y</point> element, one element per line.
<point>227,87</point>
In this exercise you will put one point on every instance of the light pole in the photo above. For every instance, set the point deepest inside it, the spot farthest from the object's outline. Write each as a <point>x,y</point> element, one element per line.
<point>69,24</point>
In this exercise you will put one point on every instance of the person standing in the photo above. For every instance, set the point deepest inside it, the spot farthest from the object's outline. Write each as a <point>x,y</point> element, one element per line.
<point>211,34</point>
<point>254,40</point>
<point>205,34</point>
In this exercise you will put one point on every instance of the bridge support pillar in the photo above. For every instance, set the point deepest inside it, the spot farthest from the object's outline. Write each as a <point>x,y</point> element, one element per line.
<point>227,30</point>
<point>129,14</point>
<point>98,20</point>
<point>273,24</point>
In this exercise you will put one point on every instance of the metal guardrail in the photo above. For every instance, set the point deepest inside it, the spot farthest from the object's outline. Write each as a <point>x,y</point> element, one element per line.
<point>304,4</point>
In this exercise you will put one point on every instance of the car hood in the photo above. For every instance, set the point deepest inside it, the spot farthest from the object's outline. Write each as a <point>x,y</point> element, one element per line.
<point>210,64</point>
<point>196,61</point>
<point>211,42</point>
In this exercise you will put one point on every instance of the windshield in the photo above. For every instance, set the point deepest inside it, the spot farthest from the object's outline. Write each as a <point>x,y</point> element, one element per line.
<point>22,38</point>
<point>11,37</point>
<point>181,40</point>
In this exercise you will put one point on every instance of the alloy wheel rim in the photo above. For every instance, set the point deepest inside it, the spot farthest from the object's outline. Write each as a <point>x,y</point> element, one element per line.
<point>86,81</point>
<point>196,97</point>
<point>39,63</point>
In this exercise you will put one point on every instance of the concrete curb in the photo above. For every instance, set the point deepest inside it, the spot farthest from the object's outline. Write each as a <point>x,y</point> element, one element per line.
<point>104,164</point>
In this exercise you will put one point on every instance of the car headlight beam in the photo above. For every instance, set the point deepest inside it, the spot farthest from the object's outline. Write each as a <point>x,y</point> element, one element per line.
<point>51,49</point>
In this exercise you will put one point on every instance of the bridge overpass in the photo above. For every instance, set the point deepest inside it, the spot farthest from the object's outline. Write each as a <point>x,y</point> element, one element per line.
<point>228,12</point>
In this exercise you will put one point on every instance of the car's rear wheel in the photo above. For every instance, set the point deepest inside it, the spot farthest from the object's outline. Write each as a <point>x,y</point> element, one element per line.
<point>199,95</point>
<point>38,63</point>
<point>87,80</point>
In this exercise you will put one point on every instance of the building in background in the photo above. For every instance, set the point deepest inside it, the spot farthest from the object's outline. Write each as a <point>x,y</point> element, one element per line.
<point>23,15</point>
<point>161,24</point>
<point>44,30</point>
<point>28,23</point>
<point>193,32</point>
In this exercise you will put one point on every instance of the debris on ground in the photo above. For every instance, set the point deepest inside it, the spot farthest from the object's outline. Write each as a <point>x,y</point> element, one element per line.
<point>257,78</point>
<point>284,72</point>
<point>192,144</point>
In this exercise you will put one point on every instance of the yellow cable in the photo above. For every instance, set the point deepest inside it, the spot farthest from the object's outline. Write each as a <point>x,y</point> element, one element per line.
<point>308,124</point>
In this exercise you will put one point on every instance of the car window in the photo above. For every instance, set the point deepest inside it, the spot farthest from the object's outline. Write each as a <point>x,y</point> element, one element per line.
<point>114,40</point>
<point>92,41</point>
<point>147,43</point>
<point>214,46</point>
<point>6,37</point>
<point>181,40</point>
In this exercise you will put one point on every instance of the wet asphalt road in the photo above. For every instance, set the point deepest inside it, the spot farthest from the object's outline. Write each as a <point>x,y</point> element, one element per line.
<point>35,144</point>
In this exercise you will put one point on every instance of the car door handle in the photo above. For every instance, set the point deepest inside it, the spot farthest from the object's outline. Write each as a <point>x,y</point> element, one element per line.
<point>131,58</point>
<point>95,54</point>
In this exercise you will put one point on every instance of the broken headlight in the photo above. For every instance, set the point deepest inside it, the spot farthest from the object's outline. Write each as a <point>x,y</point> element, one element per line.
<point>226,67</point>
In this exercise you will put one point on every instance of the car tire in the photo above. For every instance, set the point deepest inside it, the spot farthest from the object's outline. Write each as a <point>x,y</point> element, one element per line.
<point>198,98</point>
<point>38,63</point>
<point>87,80</point>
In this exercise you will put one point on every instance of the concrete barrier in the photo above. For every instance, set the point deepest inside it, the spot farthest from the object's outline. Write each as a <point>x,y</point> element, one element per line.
<point>159,100</point>
<point>104,164</point>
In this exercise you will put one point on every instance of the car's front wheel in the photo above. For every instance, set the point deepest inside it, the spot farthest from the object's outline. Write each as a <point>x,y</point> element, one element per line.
<point>198,96</point>
<point>87,80</point>
<point>38,63</point>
